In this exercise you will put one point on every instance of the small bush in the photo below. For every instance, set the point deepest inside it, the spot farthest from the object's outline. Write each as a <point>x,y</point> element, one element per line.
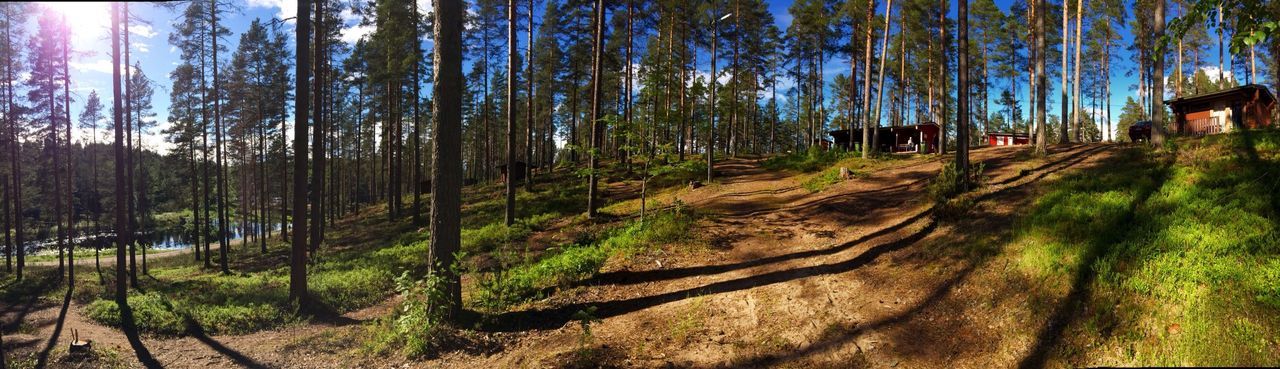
<point>948,183</point>
<point>811,160</point>
<point>151,313</point>
<point>417,326</point>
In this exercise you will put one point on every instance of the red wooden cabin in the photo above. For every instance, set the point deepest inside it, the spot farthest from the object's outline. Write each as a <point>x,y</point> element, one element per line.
<point>1247,106</point>
<point>1007,139</point>
<point>922,138</point>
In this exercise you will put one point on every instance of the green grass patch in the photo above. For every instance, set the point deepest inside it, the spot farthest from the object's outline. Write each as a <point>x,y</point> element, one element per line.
<point>579,260</point>
<point>1178,250</point>
<point>494,235</point>
<point>812,160</point>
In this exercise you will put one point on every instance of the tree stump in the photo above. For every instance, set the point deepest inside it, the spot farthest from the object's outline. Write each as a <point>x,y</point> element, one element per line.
<point>845,173</point>
<point>79,347</point>
<point>693,185</point>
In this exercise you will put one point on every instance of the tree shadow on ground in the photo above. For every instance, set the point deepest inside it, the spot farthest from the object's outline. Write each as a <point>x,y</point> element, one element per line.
<point>540,319</point>
<point>1072,305</point>
<point>195,330</point>
<point>130,327</point>
<point>43,358</point>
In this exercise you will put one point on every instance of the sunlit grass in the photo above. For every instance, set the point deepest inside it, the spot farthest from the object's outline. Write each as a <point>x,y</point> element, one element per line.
<point>1182,247</point>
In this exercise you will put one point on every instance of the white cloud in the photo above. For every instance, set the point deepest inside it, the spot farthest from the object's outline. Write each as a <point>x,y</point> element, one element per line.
<point>100,66</point>
<point>285,8</point>
<point>352,34</point>
<point>143,30</point>
<point>141,47</point>
<point>1212,72</point>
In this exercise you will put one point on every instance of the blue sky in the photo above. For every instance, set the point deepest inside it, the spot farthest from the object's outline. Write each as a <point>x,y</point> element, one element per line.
<point>91,67</point>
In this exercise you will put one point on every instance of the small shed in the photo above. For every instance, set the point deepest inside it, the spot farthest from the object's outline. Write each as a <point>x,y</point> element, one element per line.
<point>1247,106</point>
<point>922,138</point>
<point>1007,139</point>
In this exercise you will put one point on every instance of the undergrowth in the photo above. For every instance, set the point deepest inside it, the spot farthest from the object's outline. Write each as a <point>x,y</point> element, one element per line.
<point>1179,252</point>
<point>579,260</point>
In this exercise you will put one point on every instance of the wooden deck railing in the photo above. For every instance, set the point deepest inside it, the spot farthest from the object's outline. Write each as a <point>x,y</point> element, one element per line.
<point>1203,126</point>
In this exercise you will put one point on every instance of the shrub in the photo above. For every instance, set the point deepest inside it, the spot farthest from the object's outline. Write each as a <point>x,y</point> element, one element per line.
<point>151,313</point>
<point>948,183</point>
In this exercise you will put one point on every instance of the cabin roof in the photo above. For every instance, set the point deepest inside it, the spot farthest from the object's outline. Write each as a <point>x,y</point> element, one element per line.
<point>1245,90</point>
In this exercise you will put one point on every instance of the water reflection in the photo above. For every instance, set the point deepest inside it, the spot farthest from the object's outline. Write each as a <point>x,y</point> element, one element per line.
<point>165,238</point>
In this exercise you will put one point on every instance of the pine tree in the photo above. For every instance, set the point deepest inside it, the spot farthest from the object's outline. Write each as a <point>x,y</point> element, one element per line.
<point>45,83</point>
<point>446,168</point>
<point>298,247</point>
<point>12,18</point>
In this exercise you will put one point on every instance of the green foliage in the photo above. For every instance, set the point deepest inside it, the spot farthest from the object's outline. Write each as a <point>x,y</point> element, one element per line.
<point>948,184</point>
<point>827,178</point>
<point>494,235</point>
<point>1186,237</point>
<point>812,160</point>
<point>151,312</point>
<point>578,261</point>
<point>677,174</point>
<point>419,321</point>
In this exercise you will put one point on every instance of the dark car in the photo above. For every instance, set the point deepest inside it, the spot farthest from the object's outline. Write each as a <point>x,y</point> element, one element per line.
<point>1140,131</point>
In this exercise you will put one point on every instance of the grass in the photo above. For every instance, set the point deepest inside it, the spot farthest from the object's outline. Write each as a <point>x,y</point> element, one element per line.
<point>489,237</point>
<point>1175,255</point>
<point>812,160</point>
<point>577,261</point>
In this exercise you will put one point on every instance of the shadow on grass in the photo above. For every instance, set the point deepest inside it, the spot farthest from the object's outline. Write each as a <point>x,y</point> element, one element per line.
<point>130,328</point>
<point>1071,306</point>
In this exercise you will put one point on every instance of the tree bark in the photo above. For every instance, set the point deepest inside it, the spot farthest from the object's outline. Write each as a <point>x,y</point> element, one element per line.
<point>446,167</point>
<point>509,177</point>
<point>302,69</point>
<point>596,114</point>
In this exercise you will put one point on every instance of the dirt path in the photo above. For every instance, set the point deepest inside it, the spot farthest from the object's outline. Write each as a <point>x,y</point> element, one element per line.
<point>827,279</point>
<point>790,268</point>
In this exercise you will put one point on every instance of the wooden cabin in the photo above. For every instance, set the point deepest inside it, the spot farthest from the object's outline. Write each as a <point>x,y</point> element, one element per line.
<point>1007,139</point>
<point>1247,106</point>
<point>921,138</point>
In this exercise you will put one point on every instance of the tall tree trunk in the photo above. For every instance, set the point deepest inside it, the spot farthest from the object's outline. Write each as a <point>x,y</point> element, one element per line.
<point>302,69</point>
<point>130,230</point>
<point>15,161</point>
<point>1076,84</point>
<point>1221,69</point>
<point>596,114</point>
<point>1064,136</point>
<point>509,177</point>
<point>317,130</point>
<point>884,51</point>
<point>1041,80</point>
<point>942,134</point>
<point>223,217</point>
<point>711,129</point>
<point>446,167</point>
<point>121,196</point>
<point>867,146</point>
<point>529,109</point>
<point>71,210</point>
<point>1157,91</point>
<point>417,118</point>
<point>962,95</point>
